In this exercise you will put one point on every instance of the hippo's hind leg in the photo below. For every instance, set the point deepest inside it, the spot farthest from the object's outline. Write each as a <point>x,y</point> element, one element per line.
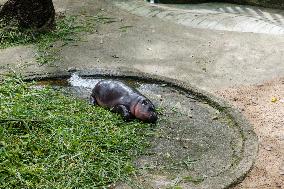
<point>92,100</point>
<point>121,109</point>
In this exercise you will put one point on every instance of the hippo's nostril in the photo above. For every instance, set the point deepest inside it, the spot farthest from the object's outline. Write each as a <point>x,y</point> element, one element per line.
<point>151,109</point>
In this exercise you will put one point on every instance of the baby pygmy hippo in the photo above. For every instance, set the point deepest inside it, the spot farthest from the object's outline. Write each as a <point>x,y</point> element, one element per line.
<point>124,100</point>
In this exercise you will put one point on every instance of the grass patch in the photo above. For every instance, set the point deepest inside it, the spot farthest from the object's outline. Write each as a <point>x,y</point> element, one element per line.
<point>67,30</point>
<point>50,140</point>
<point>124,28</point>
<point>196,180</point>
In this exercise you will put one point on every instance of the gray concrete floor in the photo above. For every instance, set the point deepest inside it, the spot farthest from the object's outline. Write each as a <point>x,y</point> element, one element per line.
<point>209,59</point>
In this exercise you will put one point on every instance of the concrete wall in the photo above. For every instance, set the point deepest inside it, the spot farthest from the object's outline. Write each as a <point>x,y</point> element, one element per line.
<point>264,3</point>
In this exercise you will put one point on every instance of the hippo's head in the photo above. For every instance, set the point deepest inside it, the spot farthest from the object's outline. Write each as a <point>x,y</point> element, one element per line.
<point>145,111</point>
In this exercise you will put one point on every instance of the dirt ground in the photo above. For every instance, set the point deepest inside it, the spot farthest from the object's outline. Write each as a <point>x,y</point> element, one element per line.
<point>267,119</point>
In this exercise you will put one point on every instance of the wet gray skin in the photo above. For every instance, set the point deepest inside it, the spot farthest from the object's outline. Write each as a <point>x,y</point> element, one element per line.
<point>123,99</point>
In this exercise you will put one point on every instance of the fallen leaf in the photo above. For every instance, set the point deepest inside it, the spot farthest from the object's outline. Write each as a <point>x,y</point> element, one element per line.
<point>273,99</point>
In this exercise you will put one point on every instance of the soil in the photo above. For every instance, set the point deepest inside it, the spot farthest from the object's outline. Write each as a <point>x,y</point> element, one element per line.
<point>267,119</point>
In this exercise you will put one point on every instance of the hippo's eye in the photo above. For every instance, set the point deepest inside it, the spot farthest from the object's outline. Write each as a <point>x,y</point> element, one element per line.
<point>144,102</point>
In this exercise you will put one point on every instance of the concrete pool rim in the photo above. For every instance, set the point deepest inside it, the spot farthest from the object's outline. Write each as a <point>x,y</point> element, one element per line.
<point>262,3</point>
<point>250,140</point>
<point>216,19</point>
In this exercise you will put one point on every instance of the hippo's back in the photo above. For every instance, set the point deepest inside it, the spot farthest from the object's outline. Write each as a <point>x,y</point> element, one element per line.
<point>111,92</point>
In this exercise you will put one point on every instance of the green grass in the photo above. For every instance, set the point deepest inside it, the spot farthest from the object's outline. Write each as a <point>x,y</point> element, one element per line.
<point>50,140</point>
<point>68,29</point>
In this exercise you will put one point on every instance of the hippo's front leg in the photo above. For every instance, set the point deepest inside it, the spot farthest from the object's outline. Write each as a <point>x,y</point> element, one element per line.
<point>123,110</point>
<point>92,100</point>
